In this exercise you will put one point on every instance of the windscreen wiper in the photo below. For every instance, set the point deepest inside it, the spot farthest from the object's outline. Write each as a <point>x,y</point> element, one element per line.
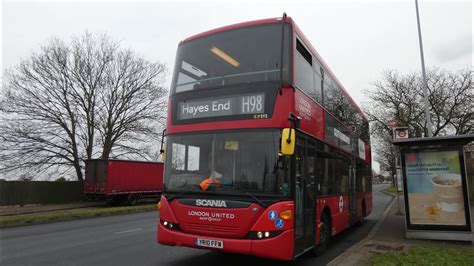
<point>256,199</point>
<point>251,195</point>
<point>170,198</point>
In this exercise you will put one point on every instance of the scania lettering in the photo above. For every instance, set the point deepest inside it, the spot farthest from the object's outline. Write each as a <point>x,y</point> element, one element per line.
<point>210,203</point>
<point>266,152</point>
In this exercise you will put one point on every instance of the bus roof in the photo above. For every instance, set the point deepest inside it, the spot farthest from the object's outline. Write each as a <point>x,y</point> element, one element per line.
<point>298,31</point>
<point>235,26</point>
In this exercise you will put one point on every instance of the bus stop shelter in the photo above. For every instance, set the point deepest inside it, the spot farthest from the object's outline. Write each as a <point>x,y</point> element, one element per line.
<point>438,186</point>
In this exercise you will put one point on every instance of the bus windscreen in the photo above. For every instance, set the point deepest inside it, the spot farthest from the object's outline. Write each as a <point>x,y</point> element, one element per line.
<point>243,55</point>
<point>229,162</point>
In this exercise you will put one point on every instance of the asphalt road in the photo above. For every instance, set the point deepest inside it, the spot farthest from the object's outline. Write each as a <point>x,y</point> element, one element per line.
<point>131,240</point>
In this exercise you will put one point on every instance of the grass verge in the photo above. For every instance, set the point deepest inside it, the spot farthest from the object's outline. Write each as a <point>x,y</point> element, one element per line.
<point>64,215</point>
<point>427,255</point>
<point>391,189</point>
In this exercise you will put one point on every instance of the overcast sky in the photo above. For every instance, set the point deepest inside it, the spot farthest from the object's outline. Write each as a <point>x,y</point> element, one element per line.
<point>357,39</point>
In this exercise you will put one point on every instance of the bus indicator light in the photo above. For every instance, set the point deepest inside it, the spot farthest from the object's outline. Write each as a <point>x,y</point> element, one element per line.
<point>285,215</point>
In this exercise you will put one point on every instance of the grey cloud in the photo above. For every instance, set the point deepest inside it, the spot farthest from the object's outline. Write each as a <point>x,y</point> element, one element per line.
<point>453,50</point>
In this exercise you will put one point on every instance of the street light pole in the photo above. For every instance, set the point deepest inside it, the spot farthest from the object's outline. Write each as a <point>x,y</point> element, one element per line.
<point>425,84</point>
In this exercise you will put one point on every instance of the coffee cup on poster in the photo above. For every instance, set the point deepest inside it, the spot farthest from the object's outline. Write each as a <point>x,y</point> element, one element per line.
<point>447,191</point>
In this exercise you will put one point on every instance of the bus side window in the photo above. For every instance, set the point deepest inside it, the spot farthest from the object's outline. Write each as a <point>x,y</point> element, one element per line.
<point>310,166</point>
<point>325,169</point>
<point>318,83</point>
<point>342,173</point>
<point>368,179</point>
<point>303,68</point>
<point>359,177</point>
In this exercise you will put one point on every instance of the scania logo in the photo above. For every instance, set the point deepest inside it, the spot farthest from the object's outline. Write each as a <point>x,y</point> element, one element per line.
<point>211,203</point>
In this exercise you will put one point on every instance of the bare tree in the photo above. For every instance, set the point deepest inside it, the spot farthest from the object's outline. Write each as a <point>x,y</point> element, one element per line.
<point>80,100</point>
<point>400,97</point>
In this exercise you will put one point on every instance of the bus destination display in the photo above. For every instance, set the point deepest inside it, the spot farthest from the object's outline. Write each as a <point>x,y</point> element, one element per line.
<point>223,106</point>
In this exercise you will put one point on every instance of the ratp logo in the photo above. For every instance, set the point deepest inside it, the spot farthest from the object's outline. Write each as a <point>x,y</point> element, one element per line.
<point>341,204</point>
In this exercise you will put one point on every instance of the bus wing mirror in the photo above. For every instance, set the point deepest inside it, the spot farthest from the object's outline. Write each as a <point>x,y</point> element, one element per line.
<point>162,148</point>
<point>162,153</point>
<point>288,141</point>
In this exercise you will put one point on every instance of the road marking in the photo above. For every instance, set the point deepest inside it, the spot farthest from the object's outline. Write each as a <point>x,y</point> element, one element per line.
<point>128,231</point>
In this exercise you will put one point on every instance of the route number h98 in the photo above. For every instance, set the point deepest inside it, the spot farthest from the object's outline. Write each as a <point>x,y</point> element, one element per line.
<point>252,103</point>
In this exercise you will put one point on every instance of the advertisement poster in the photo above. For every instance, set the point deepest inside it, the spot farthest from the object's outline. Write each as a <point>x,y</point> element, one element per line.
<point>434,187</point>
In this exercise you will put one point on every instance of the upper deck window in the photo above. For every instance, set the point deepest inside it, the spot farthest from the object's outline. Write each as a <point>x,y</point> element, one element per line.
<point>237,56</point>
<point>304,52</point>
<point>307,72</point>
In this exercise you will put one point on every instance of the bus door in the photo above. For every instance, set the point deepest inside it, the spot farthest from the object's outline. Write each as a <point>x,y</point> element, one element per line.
<point>304,195</point>
<point>352,193</point>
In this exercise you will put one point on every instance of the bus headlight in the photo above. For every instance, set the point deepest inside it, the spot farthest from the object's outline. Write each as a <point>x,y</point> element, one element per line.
<point>170,225</point>
<point>263,234</point>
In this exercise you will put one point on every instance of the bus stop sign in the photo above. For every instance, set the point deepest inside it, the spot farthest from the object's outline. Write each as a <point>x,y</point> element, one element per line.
<point>393,123</point>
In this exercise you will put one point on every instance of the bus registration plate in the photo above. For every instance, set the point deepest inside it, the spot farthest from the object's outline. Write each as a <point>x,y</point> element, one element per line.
<point>209,243</point>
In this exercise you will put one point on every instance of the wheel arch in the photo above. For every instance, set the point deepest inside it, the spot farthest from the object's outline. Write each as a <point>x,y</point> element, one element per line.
<point>326,211</point>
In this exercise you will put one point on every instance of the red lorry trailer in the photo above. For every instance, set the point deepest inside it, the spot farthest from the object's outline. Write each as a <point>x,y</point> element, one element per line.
<point>120,181</point>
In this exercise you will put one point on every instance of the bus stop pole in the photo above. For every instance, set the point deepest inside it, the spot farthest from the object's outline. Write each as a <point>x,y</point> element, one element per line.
<point>399,211</point>
<point>397,172</point>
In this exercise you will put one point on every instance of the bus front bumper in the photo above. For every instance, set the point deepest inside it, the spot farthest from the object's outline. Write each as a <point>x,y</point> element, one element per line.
<point>279,247</point>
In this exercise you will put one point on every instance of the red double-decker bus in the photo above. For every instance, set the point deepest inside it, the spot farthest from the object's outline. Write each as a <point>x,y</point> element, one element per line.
<point>266,152</point>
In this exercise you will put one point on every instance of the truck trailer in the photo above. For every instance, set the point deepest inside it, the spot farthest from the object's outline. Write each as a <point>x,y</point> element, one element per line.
<point>121,181</point>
